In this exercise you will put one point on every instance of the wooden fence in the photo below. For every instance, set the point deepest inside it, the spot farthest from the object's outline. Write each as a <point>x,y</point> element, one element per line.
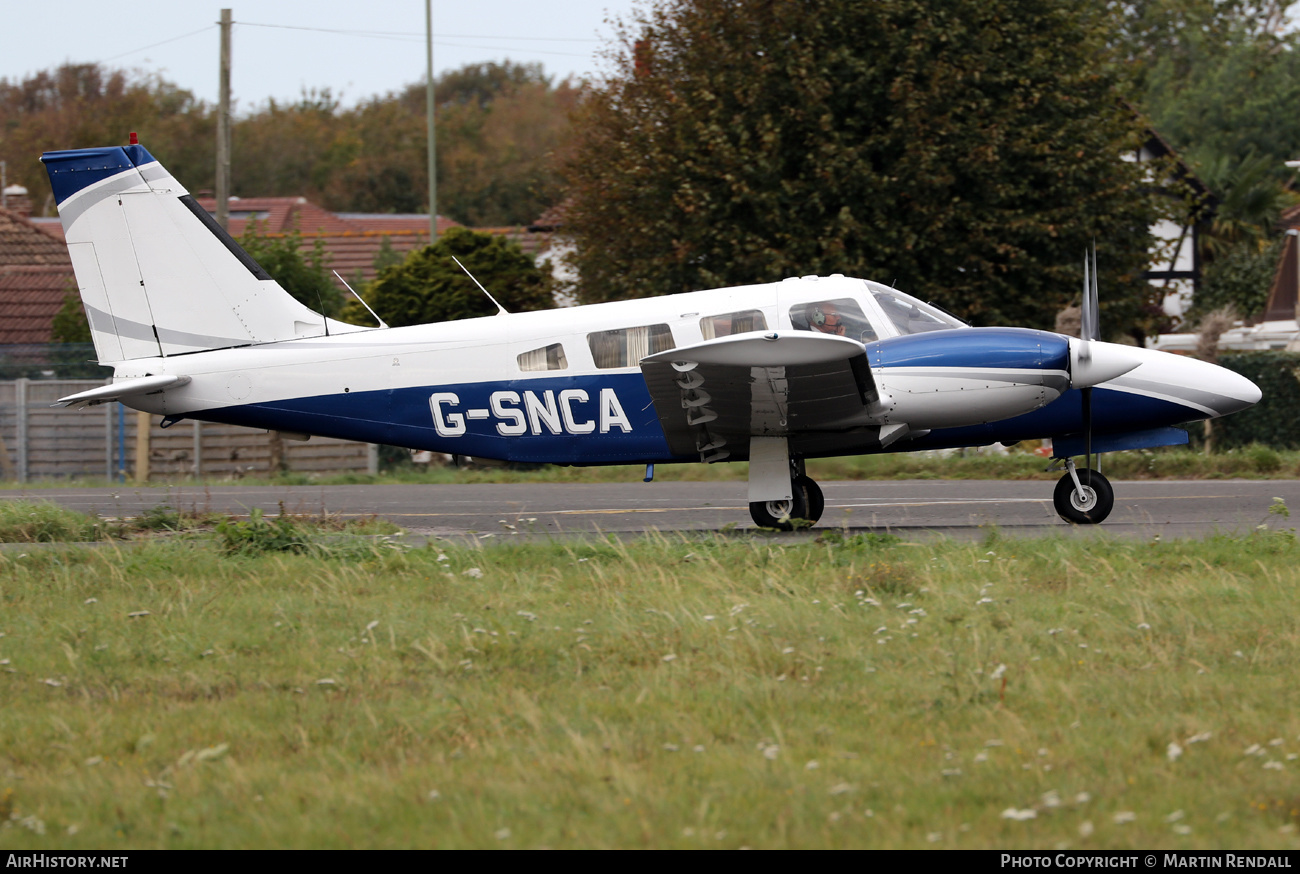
<point>41,441</point>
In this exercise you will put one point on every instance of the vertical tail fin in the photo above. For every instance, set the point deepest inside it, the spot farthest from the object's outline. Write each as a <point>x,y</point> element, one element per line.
<point>157,275</point>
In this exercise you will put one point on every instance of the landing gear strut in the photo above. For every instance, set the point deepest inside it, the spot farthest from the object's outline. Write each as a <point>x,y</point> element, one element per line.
<point>802,510</point>
<point>1083,496</point>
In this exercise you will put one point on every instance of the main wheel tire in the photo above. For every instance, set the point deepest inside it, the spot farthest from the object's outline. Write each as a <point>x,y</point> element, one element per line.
<point>782,515</point>
<point>816,501</point>
<point>1094,506</point>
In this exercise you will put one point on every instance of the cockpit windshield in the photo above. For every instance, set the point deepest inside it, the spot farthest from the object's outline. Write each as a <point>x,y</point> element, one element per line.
<point>909,315</point>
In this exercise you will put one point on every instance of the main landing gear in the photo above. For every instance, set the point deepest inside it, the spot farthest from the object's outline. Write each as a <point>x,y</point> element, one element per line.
<point>802,510</point>
<point>1083,496</point>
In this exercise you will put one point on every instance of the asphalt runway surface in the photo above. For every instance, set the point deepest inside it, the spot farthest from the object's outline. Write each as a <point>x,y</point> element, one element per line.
<point>917,509</point>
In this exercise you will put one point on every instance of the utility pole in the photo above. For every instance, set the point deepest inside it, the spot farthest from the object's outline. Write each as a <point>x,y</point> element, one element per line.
<point>429,101</point>
<point>223,126</point>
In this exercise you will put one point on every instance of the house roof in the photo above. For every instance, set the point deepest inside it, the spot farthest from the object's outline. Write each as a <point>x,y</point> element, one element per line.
<point>35,274</point>
<point>30,295</point>
<point>352,240</point>
<point>1284,293</point>
<point>21,243</point>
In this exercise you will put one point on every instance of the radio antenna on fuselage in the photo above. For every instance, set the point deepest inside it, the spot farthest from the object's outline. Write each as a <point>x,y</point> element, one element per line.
<point>501,311</point>
<point>381,322</point>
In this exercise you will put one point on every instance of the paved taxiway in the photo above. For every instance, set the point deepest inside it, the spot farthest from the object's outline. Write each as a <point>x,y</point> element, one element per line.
<point>911,508</point>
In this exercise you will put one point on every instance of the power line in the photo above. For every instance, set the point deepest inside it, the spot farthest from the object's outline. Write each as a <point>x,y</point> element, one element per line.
<point>509,49</point>
<point>406,34</point>
<point>385,34</point>
<point>163,42</point>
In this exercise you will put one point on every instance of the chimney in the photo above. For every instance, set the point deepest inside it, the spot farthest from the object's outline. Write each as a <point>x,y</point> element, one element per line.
<point>16,199</point>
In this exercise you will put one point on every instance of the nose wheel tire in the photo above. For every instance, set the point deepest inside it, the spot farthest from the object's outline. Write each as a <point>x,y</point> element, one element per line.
<point>1090,508</point>
<point>802,510</point>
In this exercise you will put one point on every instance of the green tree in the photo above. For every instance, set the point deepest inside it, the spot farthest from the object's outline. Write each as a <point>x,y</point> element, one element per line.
<point>429,287</point>
<point>70,324</point>
<point>1173,35</point>
<point>497,127</point>
<point>1250,202</point>
<point>969,151</point>
<point>1219,100</point>
<point>79,106</point>
<point>1239,278</point>
<point>306,276</point>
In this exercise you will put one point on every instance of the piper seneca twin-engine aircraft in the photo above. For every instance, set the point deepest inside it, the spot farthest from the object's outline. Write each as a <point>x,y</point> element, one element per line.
<point>772,374</point>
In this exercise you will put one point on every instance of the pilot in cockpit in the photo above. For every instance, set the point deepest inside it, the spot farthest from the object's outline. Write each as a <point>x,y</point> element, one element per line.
<point>823,316</point>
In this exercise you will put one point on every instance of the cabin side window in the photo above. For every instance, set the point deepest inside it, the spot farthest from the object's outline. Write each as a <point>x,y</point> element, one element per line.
<point>910,316</point>
<point>713,327</point>
<point>625,347</point>
<point>842,317</point>
<point>547,358</point>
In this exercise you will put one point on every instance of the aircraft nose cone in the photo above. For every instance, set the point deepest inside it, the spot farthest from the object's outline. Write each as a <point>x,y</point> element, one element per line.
<point>1233,392</point>
<point>1217,390</point>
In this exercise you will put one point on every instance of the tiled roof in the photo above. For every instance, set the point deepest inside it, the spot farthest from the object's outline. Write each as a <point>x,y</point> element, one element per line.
<point>353,240</point>
<point>29,298</point>
<point>23,244</point>
<point>35,273</point>
<point>52,227</point>
<point>552,218</point>
<point>279,215</point>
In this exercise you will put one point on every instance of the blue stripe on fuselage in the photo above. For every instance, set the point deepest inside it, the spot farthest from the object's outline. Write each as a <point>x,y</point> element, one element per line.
<point>590,431</point>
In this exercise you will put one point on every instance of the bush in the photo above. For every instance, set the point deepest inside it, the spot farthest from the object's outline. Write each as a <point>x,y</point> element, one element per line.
<point>1271,422</point>
<point>257,535</point>
<point>42,522</point>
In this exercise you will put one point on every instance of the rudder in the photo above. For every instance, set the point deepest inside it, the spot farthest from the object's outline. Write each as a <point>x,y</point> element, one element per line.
<point>157,275</point>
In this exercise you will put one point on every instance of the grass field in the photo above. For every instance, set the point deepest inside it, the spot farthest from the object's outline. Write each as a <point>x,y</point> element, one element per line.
<point>716,692</point>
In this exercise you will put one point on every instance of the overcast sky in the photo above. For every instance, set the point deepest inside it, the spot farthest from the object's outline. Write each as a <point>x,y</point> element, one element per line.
<point>380,48</point>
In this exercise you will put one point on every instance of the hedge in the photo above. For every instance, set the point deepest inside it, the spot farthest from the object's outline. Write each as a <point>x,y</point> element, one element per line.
<point>1271,422</point>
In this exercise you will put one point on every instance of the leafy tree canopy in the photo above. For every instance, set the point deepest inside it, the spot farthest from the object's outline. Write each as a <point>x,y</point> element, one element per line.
<point>1227,96</point>
<point>1240,278</point>
<point>84,105</point>
<point>497,126</point>
<point>70,324</point>
<point>1174,35</point>
<point>1220,80</point>
<point>966,151</point>
<point>429,287</point>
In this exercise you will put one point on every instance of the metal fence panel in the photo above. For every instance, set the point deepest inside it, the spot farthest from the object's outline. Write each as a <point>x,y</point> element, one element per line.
<point>40,441</point>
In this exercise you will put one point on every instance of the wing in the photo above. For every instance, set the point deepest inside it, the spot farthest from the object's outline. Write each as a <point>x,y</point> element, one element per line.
<point>814,389</point>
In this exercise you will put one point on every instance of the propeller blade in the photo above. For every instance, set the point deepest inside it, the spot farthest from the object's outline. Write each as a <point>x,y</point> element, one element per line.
<point>1090,329</point>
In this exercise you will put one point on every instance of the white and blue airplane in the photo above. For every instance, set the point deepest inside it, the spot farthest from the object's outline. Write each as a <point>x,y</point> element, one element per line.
<point>772,374</point>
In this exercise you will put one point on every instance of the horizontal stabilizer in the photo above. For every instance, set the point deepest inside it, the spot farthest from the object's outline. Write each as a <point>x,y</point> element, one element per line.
<point>124,389</point>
